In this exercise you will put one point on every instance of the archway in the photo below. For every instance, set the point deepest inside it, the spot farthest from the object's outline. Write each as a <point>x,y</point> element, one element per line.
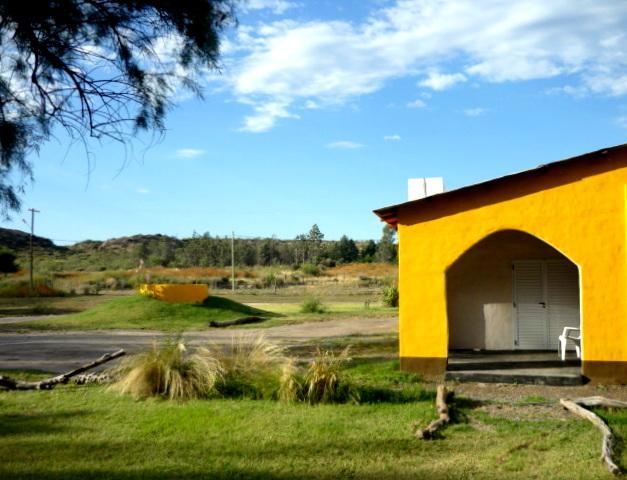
<point>511,291</point>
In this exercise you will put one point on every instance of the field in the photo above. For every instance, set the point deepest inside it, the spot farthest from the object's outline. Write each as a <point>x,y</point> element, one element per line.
<point>90,432</point>
<point>499,431</point>
<point>346,292</point>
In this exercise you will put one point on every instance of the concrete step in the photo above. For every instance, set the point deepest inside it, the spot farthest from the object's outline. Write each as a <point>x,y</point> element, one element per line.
<point>520,377</point>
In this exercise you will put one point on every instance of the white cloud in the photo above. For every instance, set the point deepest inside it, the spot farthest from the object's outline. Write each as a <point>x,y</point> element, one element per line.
<point>344,145</point>
<point>442,81</point>
<point>475,112</point>
<point>189,153</point>
<point>143,190</point>
<point>265,116</point>
<point>622,122</point>
<point>277,65</point>
<point>416,104</point>
<point>277,6</point>
<point>392,138</point>
<point>311,105</point>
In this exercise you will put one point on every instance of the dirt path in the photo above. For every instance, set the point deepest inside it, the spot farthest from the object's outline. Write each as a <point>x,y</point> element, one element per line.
<point>57,352</point>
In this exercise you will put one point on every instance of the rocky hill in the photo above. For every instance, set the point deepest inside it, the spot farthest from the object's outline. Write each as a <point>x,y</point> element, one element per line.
<point>126,244</point>
<point>18,240</point>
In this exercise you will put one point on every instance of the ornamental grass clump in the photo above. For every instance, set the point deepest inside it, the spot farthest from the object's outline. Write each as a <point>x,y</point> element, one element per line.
<point>312,305</point>
<point>168,370</point>
<point>323,382</point>
<point>254,368</point>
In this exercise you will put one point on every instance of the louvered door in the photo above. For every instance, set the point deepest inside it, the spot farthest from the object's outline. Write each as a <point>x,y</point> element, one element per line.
<point>530,306</point>
<point>546,299</point>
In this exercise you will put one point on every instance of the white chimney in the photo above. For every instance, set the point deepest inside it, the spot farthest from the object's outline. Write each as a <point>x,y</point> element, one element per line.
<point>418,188</point>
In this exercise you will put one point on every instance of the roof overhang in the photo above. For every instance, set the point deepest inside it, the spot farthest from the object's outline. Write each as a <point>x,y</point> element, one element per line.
<point>390,214</point>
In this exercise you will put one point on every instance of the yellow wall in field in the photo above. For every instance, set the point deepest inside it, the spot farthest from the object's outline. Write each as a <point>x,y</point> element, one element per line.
<point>175,293</point>
<point>578,208</point>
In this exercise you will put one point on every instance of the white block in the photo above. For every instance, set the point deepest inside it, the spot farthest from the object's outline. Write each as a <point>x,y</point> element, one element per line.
<point>434,185</point>
<point>418,188</point>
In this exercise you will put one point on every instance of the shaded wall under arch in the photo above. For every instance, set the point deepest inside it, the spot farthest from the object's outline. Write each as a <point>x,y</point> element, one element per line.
<point>479,287</point>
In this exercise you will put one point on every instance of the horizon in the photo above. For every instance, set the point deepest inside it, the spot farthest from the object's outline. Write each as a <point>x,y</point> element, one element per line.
<point>326,135</point>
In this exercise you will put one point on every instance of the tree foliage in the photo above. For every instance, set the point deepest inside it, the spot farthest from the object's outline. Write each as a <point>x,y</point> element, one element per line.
<point>8,261</point>
<point>95,68</point>
<point>386,250</point>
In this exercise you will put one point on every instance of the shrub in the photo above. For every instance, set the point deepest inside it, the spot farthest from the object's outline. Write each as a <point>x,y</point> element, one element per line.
<point>168,371</point>
<point>310,269</point>
<point>389,296</point>
<point>323,382</point>
<point>312,305</point>
<point>252,367</point>
<point>22,289</point>
<point>7,261</point>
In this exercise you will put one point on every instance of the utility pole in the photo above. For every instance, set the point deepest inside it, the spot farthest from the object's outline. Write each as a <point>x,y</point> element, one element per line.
<point>233,261</point>
<point>32,232</point>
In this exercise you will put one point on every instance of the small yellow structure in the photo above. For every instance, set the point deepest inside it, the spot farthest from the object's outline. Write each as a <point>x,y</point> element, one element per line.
<point>508,263</point>
<point>175,293</point>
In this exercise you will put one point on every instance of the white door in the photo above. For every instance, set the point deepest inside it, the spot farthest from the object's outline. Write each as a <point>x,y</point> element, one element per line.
<point>546,299</point>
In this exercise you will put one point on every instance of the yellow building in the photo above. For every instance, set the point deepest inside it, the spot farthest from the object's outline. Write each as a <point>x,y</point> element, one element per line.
<point>508,263</point>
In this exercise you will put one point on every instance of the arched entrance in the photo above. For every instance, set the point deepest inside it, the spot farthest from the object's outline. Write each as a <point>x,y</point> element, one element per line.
<point>511,291</point>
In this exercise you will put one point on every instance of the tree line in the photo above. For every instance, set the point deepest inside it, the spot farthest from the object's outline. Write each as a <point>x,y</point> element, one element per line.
<point>308,248</point>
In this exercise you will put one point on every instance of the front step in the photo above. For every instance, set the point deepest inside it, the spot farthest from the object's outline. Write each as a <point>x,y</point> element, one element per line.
<point>561,380</point>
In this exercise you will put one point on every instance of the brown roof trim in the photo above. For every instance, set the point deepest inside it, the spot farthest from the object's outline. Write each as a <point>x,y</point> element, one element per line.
<point>390,214</point>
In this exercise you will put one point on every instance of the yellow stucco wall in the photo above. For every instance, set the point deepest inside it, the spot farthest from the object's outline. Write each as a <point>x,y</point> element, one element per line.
<point>175,293</point>
<point>578,208</point>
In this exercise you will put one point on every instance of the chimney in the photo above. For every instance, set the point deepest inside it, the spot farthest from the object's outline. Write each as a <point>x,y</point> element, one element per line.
<point>418,188</point>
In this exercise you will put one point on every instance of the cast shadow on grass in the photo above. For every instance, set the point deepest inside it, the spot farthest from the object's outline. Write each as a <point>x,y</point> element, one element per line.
<point>619,445</point>
<point>222,303</point>
<point>28,424</point>
<point>37,310</point>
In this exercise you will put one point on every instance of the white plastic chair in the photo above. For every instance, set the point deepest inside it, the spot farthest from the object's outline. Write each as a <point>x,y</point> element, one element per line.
<point>573,334</point>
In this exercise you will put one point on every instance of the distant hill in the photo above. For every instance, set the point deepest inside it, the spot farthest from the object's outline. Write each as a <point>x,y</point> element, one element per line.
<point>127,244</point>
<point>18,240</point>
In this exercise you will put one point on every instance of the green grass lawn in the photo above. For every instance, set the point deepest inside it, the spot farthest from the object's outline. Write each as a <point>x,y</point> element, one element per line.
<point>13,307</point>
<point>138,312</point>
<point>89,432</point>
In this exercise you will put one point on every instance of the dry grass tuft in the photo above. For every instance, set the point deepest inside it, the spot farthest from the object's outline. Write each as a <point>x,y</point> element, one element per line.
<point>253,367</point>
<point>323,383</point>
<point>168,370</point>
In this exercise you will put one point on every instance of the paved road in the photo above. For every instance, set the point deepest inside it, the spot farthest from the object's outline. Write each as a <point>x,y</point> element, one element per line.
<point>58,352</point>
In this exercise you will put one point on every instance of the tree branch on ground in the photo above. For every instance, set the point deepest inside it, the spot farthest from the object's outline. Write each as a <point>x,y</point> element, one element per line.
<point>444,417</point>
<point>49,383</point>
<point>576,406</point>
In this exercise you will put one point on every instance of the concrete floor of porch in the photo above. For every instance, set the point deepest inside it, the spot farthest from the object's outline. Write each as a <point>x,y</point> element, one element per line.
<point>529,367</point>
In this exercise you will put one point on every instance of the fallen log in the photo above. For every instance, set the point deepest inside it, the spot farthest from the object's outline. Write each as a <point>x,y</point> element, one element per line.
<point>444,417</point>
<point>238,321</point>
<point>49,383</point>
<point>577,407</point>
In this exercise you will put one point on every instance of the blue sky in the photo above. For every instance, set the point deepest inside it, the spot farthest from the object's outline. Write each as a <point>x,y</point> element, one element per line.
<point>323,110</point>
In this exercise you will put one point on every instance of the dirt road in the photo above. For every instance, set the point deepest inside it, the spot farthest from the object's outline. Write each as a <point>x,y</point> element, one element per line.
<point>57,352</point>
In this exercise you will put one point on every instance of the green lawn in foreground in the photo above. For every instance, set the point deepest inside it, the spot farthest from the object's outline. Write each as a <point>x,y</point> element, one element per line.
<point>89,432</point>
<point>139,312</point>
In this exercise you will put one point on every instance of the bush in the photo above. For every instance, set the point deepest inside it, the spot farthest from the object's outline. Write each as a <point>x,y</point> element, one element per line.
<point>7,261</point>
<point>168,371</point>
<point>312,305</point>
<point>252,367</point>
<point>22,289</point>
<point>310,269</point>
<point>323,381</point>
<point>389,296</point>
